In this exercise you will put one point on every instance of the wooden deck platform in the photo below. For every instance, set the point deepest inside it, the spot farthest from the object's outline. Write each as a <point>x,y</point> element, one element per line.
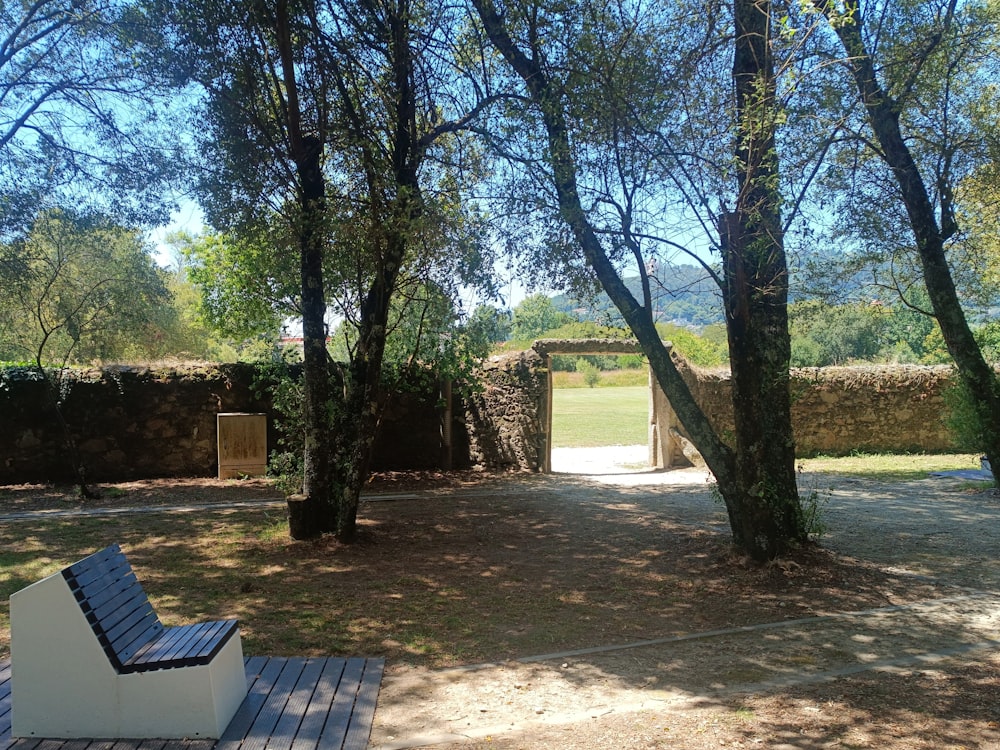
<point>292,704</point>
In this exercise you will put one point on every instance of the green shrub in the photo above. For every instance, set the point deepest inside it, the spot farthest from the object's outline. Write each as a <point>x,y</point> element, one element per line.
<point>591,375</point>
<point>962,419</point>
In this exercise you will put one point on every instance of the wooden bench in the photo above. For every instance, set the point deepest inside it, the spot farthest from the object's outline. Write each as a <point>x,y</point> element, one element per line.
<point>91,659</point>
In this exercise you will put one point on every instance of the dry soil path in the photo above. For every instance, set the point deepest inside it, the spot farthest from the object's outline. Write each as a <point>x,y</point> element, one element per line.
<point>629,695</point>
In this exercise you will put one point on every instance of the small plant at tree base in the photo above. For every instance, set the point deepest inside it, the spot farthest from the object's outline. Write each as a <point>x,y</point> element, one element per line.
<point>813,507</point>
<point>814,504</point>
<point>286,469</point>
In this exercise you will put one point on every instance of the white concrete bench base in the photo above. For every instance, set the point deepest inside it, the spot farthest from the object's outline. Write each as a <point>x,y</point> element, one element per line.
<point>63,685</point>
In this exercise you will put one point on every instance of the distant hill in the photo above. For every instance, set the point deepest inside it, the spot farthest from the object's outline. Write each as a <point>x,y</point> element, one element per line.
<point>683,295</point>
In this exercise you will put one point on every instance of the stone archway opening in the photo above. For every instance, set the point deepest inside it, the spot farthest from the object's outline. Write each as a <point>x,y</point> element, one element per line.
<point>666,445</point>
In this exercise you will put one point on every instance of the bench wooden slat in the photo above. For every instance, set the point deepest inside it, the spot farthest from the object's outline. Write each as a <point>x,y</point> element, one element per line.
<point>117,584</point>
<point>130,632</point>
<point>94,597</point>
<point>219,632</point>
<point>196,638</point>
<point>173,646</point>
<point>98,560</point>
<point>114,602</point>
<point>160,644</point>
<point>106,607</point>
<point>185,645</point>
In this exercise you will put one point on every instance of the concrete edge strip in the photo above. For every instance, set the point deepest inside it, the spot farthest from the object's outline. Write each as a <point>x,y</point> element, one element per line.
<point>720,632</point>
<point>41,515</point>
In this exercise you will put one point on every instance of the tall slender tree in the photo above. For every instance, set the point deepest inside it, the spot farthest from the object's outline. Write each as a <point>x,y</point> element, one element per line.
<point>932,226</point>
<point>756,475</point>
<point>322,116</point>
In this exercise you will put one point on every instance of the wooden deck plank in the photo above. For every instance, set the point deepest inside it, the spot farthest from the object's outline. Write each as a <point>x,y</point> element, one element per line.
<point>4,703</point>
<point>253,666</point>
<point>337,720</point>
<point>251,706</point>
<point>359,727</point>
<point>291,704</point>
<point>270,714</point>
<point>319,707</point>
<point>77,745</point>
<point>287,728</point>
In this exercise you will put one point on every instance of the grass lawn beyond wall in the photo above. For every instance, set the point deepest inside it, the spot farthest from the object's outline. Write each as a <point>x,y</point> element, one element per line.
<point>593,417</point>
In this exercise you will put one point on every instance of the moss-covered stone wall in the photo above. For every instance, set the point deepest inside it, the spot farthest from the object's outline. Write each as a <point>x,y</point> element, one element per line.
<point>135,422</point>
<point>506,414</point>
<point>138,422</point>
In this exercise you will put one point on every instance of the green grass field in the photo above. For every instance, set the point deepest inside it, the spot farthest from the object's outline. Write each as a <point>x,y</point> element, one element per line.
<point>592,417</point>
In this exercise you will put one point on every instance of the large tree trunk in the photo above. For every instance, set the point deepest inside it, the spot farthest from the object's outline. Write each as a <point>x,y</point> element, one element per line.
<point>311,513</point>
<point>768,519</point>
<point>975,373</point>
<point>762,503</point>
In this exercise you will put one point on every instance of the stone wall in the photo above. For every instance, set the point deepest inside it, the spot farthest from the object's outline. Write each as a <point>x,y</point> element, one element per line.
<point>506,415</point>
<point>136,422</point>
<point>126,422</point>
<point>839,410</point>
<point>143,423</point>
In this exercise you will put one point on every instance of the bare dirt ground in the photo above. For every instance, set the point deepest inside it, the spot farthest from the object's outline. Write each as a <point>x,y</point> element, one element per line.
<point>915,664</point>
<point>885,636</point>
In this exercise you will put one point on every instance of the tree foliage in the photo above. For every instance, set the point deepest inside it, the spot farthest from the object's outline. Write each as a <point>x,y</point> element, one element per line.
<point>534,315</point>
<point>332,129</point>
<point>85,291</point>
<point>78,126</point>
